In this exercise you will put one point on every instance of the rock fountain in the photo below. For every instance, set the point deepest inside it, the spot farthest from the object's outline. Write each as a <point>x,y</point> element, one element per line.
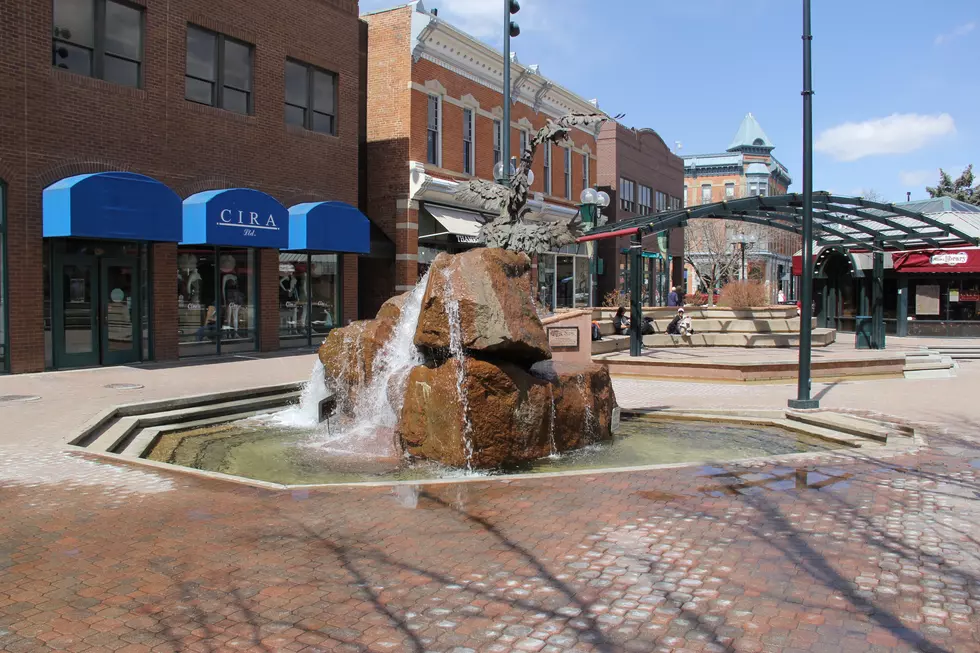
<point>458,371</point>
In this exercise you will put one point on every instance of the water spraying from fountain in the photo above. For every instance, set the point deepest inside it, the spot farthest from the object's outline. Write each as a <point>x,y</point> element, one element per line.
<point>459,360</point>
<point>307,414</point>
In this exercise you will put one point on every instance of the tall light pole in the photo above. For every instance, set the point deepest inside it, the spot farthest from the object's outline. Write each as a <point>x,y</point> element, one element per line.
<point>511,29</point>
<point>803,399</point>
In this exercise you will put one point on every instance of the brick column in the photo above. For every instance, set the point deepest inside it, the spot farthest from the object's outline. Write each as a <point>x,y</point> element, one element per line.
<point>406,246</point>
<point>348,312</point>
<point>163,301</point>
<point>268,308</point>
<point>24,277</point>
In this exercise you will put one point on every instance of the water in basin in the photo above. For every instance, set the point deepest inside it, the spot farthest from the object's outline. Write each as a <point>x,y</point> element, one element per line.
<point>269,449</point>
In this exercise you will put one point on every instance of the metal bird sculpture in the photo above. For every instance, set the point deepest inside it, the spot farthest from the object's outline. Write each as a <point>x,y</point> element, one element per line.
<point>510,229</point>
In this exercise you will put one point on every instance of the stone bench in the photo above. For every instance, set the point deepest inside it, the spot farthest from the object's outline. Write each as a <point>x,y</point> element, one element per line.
<point>722,326</point>
<point>820,338</point>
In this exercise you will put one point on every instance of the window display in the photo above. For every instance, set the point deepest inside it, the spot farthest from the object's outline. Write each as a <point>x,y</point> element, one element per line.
<point>215,300</point>
<point>309,297</point>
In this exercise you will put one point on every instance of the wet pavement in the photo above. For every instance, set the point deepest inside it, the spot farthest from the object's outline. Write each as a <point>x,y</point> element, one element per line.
<point>828,553</point>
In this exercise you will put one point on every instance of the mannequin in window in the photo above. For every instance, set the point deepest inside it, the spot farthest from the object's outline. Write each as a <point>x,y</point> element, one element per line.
<point>287,296</point>
<point>231,298</point>
<point>194,286</point>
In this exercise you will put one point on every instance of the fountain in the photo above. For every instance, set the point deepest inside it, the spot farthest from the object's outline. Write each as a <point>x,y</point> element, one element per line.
<point>458,371</point>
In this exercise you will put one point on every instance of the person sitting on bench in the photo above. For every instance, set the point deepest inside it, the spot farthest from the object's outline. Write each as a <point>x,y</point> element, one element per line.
<point>620,321</point>
<point>680,325</point>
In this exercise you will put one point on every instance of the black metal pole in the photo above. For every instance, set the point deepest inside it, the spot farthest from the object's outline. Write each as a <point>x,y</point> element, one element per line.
<point>803,400</point>
<point>636,302</point>
<point>505,127</point>
<point>742,269</point>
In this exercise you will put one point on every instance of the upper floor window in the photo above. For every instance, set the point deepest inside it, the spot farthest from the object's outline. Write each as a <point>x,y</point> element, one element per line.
<point>730,191</point>
<point>311,97</point>
<point>218,71</point>
<point>585,171</point>
<point>468,163</point>
<point>661,201</point>
<point>99,38</point>
<point>627,194</point>
<point>643,199</point>
<point>497,134</point>
<point>568,173</point>
<point>432,133</point>
<point>685,196</point>
<point>523,144</point>
<point>706,193</point>
<point>547,168</point>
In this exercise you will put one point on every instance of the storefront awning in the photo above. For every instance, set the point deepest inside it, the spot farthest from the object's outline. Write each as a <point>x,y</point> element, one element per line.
<point>942,261</point>
<point>112,205</point>
<point>235,217</point>
<point>465,225</point>
<point>329,227</point>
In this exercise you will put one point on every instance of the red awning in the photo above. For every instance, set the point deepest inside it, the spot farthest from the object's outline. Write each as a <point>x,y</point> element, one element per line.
<point>938,261</point>
<point>798,265</point>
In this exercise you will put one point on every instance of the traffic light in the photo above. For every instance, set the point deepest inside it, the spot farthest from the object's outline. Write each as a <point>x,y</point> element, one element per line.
<point>514,6</point>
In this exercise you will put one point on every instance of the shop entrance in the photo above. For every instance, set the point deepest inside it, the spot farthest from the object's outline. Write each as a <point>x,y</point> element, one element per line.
<point>95,307</point>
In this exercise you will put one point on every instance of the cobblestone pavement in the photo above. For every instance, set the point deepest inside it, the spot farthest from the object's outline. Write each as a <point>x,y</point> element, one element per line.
<point>824,554</point>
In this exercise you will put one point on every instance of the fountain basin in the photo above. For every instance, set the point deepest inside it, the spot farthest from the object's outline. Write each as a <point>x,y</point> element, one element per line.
<point>261,449</point>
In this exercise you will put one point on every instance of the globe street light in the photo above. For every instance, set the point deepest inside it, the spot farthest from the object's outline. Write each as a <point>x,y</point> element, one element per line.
<point>743,240</point>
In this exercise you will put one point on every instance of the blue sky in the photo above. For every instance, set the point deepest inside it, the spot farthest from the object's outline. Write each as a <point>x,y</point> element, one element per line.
<point>896,81</point>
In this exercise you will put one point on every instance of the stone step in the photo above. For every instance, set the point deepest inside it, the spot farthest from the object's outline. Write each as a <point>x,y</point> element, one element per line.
<point>819,338</point>
<point>145,437</point>
<point>844,423</point>
<point>722,326</point>
<point>703,312</point>
<point>118,434</point>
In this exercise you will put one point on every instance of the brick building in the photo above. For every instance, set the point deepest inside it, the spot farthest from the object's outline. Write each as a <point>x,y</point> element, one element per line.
<point>747,168</point>
<point>642,176</point>
<point>125,125</point>
<point>435,97</point>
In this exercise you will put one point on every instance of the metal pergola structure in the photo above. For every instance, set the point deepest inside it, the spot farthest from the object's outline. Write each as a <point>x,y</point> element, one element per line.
<point>847,223</point>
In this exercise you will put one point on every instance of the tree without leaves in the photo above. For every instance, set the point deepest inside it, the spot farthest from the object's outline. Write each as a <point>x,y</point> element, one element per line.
<point>713,258</point>
<point>872,195</point>
<point>962,189</point>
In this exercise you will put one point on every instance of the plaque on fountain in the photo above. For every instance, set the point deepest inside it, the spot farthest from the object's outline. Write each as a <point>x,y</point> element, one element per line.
<point>563,337</point>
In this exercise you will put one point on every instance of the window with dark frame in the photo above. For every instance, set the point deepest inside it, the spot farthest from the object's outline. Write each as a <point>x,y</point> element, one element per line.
<point>432,144</point>
<point>99,38</point>
<point>311,97</point>
<point>218,70</point>
<point>468,141</point>
<point>568,173</point>
<point>627,194</point>
<point>585,170</point>
<point>547,168</point>
<point>643,200</point>
<point>497,133</point>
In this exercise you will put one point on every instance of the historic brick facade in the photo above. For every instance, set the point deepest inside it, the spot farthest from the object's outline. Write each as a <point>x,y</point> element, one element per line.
<point>57,124</point>
<point>639,156</point>
<point>412,57</point>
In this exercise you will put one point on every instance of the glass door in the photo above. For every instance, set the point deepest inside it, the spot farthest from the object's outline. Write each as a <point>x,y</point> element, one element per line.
<point>119,309</point>
<point>75,316</point>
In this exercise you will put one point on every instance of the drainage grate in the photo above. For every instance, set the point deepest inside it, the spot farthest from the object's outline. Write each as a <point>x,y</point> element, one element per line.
<point>124,386</point>
<point>9,399</point>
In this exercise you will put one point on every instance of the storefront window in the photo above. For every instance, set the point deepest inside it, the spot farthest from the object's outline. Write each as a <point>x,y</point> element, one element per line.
<point>546,282</point>
<point>309,297</point>
<point>216,300</point>
<point>197,311</point>
<point>582,282</point>
<point>324,293</point>
<point>566,282</point>
<point>236,285</point>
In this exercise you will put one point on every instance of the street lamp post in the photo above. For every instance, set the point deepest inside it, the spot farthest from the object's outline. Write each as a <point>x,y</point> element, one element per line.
<point>592,203</point>
<point>743,240</point>
<point>803,400</point>
<point>511,29</point>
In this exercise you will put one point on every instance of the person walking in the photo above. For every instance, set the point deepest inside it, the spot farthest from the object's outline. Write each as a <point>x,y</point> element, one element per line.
<point>673,299</point>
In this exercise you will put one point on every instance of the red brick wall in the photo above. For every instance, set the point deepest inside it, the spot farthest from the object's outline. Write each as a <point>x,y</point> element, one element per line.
<point>55,123</point>
<point>163,261</point>
<point>268,299</point>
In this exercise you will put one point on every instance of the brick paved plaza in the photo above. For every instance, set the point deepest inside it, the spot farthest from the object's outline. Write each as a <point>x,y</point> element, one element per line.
<point>824,554</point>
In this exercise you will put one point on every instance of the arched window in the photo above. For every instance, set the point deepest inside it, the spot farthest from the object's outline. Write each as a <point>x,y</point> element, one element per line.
<point>758,141</point>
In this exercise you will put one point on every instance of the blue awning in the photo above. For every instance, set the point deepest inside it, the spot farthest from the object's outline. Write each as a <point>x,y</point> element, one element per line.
<point>113,205</point>
<point>242,217</point>
<point>329,227</point>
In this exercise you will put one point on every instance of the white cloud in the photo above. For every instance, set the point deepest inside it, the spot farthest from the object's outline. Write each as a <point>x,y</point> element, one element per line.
<point>961,30</point>
<point>916,178</point>
<point>894,134</point>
